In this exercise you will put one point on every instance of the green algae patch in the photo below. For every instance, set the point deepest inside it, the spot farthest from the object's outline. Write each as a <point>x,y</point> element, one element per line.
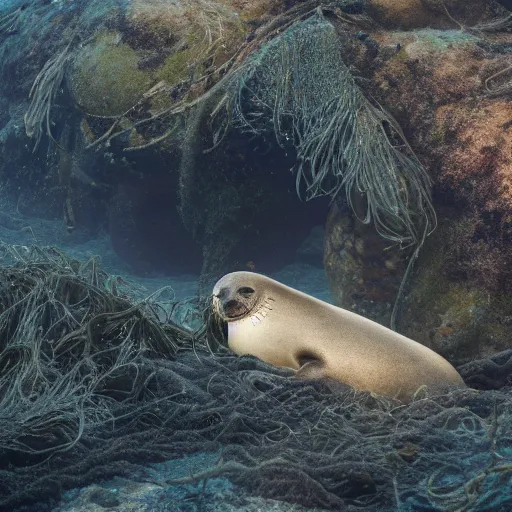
<point>105,79</point>
<point>175,67</point>
<point>431,41</point>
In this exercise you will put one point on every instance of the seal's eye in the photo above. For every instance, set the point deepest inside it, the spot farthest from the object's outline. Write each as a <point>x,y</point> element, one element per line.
<point>245,290</point>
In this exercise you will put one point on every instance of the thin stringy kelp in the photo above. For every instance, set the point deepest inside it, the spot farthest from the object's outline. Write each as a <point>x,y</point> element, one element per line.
<point>69,346</point>
<point>94,386</point>
<point>298,86</point>
<point>42,95</point>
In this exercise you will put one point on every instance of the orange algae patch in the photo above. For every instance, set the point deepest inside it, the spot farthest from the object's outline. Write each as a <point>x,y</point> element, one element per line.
<point>482,154</point>
<point>408,14</point>
<point>456,73</point>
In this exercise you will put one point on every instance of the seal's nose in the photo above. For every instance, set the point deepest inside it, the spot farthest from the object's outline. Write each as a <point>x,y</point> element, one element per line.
<point>230,304</point>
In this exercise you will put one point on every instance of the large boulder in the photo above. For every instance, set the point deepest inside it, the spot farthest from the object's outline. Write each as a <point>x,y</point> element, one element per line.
<point>450,90</point>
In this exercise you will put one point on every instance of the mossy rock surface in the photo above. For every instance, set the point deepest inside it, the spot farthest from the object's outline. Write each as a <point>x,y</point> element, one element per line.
<point>453,314</point>
<point>166,44</point>
<point>105,78</point>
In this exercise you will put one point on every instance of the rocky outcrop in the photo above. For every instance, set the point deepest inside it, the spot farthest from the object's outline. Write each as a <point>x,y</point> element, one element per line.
<point>449,87</point>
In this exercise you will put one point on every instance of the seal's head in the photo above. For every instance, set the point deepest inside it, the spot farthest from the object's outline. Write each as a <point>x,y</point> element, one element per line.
<point>247,315</point>
<point>237,295</point>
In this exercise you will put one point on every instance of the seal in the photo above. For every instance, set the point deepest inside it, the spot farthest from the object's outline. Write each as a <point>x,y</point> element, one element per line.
<point>286,327</point>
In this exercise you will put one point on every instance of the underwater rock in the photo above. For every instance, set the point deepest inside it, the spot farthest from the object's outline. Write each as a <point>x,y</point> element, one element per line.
<point>449,89</point>
<point>450,92</point>
<point>478,168</point>
<point>364,272</point>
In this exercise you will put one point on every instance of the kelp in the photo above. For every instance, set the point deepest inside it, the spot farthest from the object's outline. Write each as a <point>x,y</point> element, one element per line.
<point>93,385</point>
<point>69,345</point>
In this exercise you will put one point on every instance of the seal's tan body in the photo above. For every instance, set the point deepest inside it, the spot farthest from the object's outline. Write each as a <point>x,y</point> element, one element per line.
<point>286,327</point>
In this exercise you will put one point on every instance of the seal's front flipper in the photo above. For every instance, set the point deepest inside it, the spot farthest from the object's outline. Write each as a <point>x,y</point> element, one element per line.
<point>312,369</point>
<point>315,370</point>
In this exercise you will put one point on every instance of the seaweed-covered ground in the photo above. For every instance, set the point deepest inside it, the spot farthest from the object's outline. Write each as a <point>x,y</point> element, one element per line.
<point>104,406</point>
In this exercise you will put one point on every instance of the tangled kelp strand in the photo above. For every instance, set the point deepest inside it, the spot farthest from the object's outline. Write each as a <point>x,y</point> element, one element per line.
<point>503,88</point>
<point>43,93</point>
<point>65,341</point>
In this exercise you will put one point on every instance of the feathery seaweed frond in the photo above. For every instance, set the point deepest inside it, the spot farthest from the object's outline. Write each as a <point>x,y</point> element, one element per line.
<point>43,93</point>
<point>298,86</point>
